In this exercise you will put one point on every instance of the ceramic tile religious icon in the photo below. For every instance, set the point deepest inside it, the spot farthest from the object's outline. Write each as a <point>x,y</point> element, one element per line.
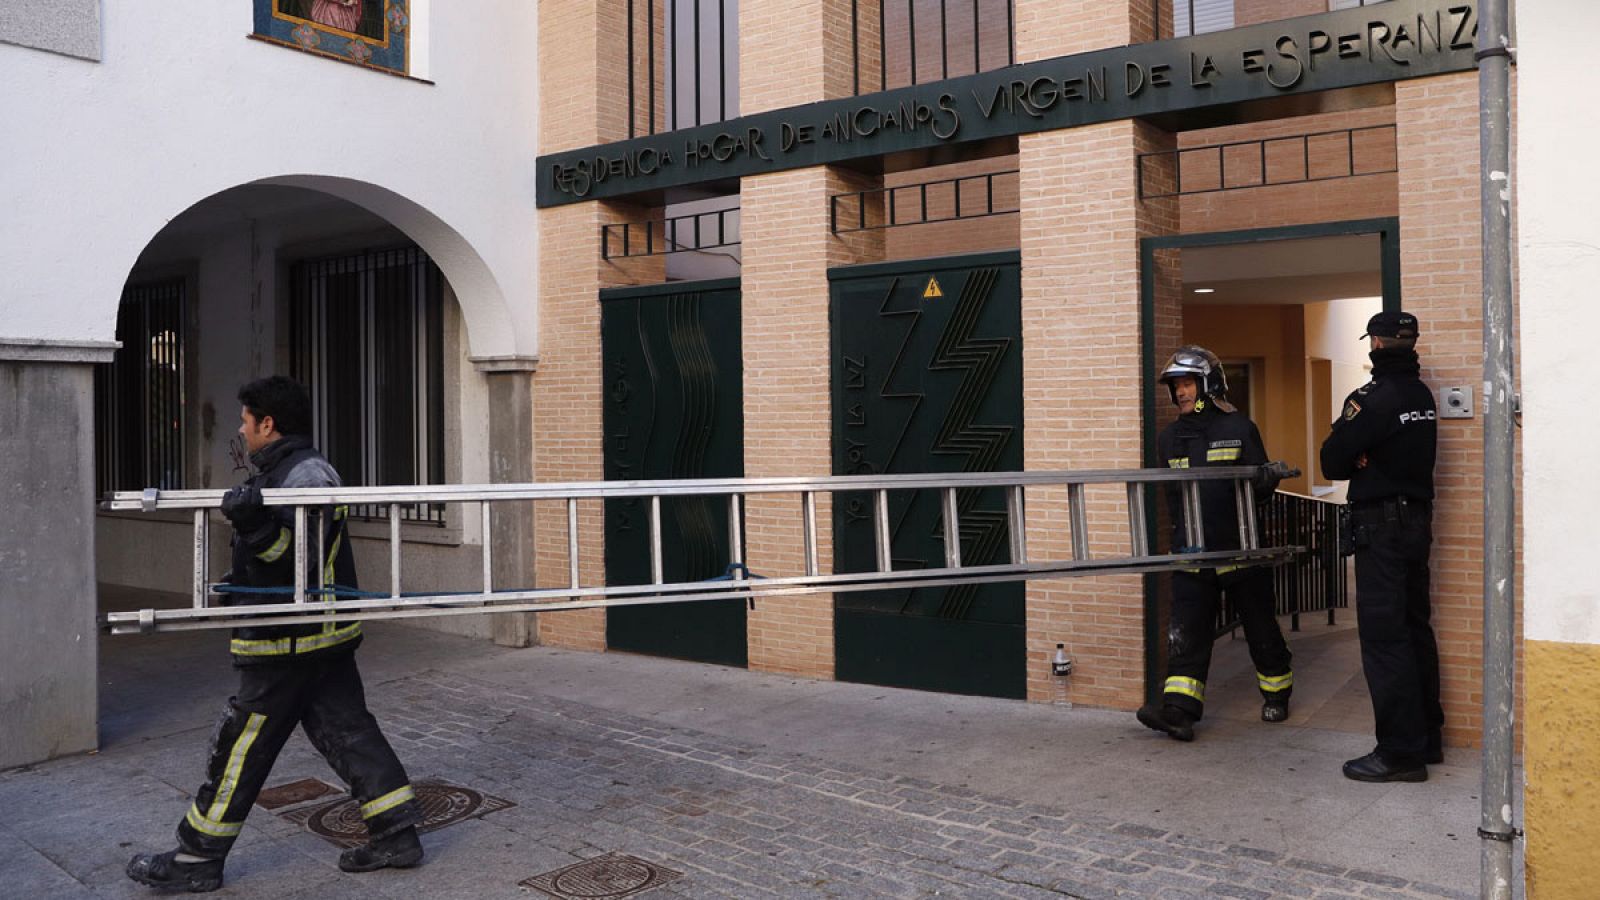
<point>370,32</point>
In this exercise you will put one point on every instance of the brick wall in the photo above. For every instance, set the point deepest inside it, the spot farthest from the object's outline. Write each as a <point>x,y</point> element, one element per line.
<point>1441,281</point>
<point>1082,378</point>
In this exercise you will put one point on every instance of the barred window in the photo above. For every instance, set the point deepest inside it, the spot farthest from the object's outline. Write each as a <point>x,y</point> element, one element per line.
<point>139,398</point>
<point>366,336</point>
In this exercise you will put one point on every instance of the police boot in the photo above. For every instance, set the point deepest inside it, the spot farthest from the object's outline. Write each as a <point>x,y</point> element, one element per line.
<point>162,870</point>
<point>1378,767</point>
<point>1275,709</point>
<point>400,850</point>
<point>1170,720</point>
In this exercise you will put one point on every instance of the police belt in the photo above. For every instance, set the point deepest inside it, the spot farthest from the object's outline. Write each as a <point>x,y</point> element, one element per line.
<point>1390,509</point>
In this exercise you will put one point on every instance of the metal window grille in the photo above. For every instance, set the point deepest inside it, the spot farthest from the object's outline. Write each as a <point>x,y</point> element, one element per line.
<point>367,338</point>
<point>1191,17</point>
<point>683,64</point>
<point>918,41</point>
<point>139,398</point>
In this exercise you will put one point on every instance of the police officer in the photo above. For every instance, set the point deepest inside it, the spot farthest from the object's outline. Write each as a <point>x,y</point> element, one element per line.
<point>1209,431</point>
<point>289,675</point>
<point>1384,442</point>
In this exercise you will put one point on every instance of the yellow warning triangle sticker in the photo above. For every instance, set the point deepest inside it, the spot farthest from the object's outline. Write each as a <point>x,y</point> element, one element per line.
<point>932,290</point>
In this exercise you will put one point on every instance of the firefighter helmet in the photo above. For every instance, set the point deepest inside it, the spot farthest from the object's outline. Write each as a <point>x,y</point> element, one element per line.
<point>1204,367</point>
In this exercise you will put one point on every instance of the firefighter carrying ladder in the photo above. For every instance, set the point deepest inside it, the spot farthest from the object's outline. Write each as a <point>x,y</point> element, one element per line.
<point>313,603</point>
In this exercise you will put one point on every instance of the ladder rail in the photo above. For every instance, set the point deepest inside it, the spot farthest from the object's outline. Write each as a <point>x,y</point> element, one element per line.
<point>558,599</point>
<point>575,595</point>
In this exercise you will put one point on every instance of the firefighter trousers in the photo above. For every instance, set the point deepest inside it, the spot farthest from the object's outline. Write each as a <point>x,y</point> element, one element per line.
<point>325,697</point>
<point>1399,653</point>
<point>1196,598</point>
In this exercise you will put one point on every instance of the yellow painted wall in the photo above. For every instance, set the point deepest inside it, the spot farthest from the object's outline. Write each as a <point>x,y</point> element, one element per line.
<point>1276,336</point>
<point>1561,761</point>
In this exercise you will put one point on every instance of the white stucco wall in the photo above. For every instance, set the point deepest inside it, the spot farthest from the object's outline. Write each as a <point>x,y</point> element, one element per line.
<point>99,156</point>
<point>1559,288</point>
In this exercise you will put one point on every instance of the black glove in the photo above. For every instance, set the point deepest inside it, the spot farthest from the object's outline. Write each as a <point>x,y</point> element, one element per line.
<point>1271,475</point>
<point>242,506</point>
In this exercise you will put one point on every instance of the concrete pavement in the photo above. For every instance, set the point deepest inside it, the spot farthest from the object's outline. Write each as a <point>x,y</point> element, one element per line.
<point>758,785</point>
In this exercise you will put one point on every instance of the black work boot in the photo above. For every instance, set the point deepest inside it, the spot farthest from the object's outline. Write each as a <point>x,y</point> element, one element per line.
<point>1275,709</point>
<point>400,850</point>
<point>1170,720</point>
<point>1376,767</point>
<point>162,870</point>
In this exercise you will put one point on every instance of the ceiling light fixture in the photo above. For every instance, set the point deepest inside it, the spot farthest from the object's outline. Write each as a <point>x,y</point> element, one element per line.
<point>1205,290</point>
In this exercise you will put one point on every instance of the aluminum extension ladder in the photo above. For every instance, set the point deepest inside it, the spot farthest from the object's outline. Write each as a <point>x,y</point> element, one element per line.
<point>310,606</point>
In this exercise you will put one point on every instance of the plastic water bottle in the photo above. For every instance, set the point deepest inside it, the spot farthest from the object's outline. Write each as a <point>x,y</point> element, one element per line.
<point>1060,668</point>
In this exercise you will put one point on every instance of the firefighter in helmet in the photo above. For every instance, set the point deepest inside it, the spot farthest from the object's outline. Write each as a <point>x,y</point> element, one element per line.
<point>1209,431</point>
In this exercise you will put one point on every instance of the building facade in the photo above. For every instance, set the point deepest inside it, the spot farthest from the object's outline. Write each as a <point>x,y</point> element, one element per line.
<point>198,194</point>
<point>457,229</point>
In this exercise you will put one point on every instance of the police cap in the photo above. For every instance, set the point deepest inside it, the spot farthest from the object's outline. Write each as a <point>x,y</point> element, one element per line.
<point>1392,325</point>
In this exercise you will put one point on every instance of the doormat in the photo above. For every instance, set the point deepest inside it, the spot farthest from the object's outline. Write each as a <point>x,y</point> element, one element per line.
<point>607,877</point>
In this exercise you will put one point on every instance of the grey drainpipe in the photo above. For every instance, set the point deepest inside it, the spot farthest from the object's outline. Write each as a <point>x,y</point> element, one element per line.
<point>1497,828</point>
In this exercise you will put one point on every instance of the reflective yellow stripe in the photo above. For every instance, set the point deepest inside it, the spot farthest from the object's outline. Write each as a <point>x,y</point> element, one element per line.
<point>1189,687</point>
<point>387,802</point>
<point>1275,682</point>
<point>1220,570</point>
<point>282,646</point>
<point>327,575</point>
<point>204,825</point>
<point>1181,462</point>
<point>1222,454</point>
<point>273,553</point>
<point>230,772</point>
<point>328,639</point>
<point>278,647</point>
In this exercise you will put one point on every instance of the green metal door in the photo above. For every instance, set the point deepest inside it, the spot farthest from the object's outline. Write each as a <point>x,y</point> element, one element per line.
<point>927,377</point>
<point>673,409</point>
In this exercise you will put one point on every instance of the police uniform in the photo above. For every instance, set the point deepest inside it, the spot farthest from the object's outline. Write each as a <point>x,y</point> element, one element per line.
<point>1384,442</point>
<point>1215,434</point>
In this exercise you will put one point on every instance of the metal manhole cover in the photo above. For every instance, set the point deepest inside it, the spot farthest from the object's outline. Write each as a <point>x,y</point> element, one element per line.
<point>605,877</point>
<point>442,804</point>
<point>294,793</point>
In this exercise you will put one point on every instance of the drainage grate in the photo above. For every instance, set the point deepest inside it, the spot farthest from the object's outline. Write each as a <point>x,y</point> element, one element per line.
<point>607,877</point>
<point>443,804</point>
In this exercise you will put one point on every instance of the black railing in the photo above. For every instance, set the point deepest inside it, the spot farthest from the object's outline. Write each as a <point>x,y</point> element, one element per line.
<point>677,234</point>
<point>682,64</point>
<point>1314,581</point>
<point>1290,159</point>
<point>925,202</point>
<point>928,40</point>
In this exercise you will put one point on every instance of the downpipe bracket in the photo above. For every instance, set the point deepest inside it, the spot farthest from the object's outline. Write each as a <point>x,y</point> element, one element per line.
<point>1502,836</point>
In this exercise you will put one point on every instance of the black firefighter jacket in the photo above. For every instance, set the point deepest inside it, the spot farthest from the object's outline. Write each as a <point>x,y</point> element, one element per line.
<point>1210,437</point>
<point>264,558</point>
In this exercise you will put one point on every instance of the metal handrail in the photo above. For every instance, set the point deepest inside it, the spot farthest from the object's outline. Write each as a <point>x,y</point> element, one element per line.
<point>306,502</point>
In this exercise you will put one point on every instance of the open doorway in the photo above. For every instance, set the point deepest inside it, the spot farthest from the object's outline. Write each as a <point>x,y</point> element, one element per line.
<point>1284,309</point>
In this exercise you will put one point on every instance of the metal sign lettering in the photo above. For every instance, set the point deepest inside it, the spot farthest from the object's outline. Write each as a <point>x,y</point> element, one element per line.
<point>1387,42</point>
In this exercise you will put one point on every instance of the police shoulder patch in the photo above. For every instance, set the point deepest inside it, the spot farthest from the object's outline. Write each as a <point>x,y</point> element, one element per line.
<point>1351,409</point>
